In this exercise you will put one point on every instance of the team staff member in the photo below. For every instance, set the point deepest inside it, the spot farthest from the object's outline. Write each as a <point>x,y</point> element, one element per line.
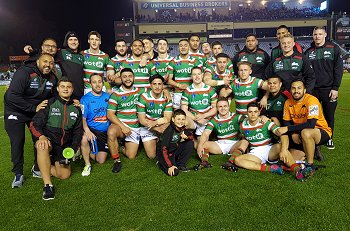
<point>56,127</point>
<point>71,63</point>
<point>291,65</point>
<point>253,54</point>
<point>281,31</point>
<point>29,90</point>
<point>326,60</point>
<point>95,123</point>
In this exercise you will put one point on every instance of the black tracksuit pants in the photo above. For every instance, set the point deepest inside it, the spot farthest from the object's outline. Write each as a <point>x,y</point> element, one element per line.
<point>182,154</point>
<point>328,106</point>
<point>15,128</point>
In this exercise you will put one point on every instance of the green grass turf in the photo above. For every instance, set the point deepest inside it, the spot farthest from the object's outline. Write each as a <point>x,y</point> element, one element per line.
<point>141,197</point>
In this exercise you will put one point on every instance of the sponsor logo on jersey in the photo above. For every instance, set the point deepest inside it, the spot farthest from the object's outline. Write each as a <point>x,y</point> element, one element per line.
<point>184,70</point>
<point>131,103</point>
<point>259,59</point>
<point>155,111</point>
<point>312,55</point>
<point>244,93</point>
<point>279,65</point>
<point>244,59</point>
<point>94,64</point>
<point>175,138</point>
<point>258,136</point>
<point>69,56</point>
<point>55,111</point>
<point>295,65</point>
<point>12,117</point>
<point>73,115</point>
<point>327,54</point>
<point>200,102</point>
<point>313,110</point>
<point>230,128</point>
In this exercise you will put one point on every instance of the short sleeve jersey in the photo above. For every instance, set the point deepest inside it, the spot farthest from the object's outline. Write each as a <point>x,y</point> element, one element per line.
<point>141,74</point>
<point>259,134</point>
<point>123,103</point>
<point>217,76</point>
<point>181,69</point>
<point>211,62</point>
<point>95,63</point>
<point>94,109</point>
<point>309,108</point>
<point>199,100</point>
<point>153,108</point>
<point>225,129</point>
<point>117,62</point>
<point>245,92</point>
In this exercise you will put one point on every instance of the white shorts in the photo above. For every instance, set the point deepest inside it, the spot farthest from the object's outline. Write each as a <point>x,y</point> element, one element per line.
<point>262,152</point>
<point>226,145</point>
<point>134,137</point>
<point>146,134</point>
<point>199,128</point>
<point>176,99</point>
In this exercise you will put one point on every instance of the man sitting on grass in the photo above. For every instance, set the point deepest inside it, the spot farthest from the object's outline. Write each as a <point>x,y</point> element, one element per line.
<point>175,145</point>
<point>226,126</point>
<point>57,126</point>
<point>262,150</point>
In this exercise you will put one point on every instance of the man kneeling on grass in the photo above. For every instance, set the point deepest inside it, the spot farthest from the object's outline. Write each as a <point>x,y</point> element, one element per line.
<point>175,145</point>
<point>57,126</point>
<point>262,150</point>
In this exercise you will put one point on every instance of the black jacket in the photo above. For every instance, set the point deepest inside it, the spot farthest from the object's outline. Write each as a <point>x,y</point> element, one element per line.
<point>327,63</point>
<point>169,142</point>
<point>289,68</point>
<point>259,60</point>
<point>28,88</point>
<point>61,122</point>
<point>71,64</point>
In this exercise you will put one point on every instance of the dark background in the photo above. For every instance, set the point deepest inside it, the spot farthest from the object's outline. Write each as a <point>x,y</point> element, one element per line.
<point>30,21</point>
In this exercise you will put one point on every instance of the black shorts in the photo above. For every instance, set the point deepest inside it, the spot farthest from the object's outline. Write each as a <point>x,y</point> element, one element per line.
<point>101,140</point>
<point>56,153</point>
<point>324,139</point>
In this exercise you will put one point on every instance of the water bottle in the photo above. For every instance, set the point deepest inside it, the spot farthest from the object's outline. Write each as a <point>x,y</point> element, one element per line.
<point>93,146</point>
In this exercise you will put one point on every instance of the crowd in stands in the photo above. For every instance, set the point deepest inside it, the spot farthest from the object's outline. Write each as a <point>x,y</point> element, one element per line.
<point>243,14</point>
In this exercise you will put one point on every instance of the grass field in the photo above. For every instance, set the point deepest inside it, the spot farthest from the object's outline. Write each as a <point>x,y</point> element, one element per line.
<point>141,197</point>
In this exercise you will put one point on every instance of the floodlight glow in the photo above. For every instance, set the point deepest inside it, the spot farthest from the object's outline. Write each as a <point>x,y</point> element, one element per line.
<point>323,5</point>
<point>263,2</point>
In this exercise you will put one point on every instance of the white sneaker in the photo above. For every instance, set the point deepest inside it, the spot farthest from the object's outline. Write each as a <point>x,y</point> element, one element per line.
<point>86,171</point>
<point>18,181</point>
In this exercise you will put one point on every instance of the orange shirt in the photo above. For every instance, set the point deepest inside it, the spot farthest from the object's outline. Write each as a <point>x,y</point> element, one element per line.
<point>309,108</point>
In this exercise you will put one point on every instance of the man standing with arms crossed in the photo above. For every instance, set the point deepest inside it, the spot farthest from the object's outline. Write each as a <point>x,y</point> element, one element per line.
<point>327,62</point>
